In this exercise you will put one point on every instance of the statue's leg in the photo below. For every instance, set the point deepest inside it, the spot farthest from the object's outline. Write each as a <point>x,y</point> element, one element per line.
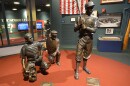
<point>26,72</point>
<point>33,72</point>
<point>77,70</point>
<point>58,58</point>
<point>51,59</point>
<point>78,60</point>
<point>44,66</point>
<point>84,66</point>
<point>87,54</point>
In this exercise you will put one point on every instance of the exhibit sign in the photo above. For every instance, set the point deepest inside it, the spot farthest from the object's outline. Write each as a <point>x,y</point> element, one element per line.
<point>72,20</point>
<point>109,31</point>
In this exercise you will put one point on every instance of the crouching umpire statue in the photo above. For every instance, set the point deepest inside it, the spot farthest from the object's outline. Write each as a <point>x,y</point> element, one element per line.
<point>31,55</point>
<point>53,44</point>
<point>86,25</point>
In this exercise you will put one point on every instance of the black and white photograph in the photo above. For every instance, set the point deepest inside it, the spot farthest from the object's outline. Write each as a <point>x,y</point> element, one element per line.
<point>110,1</point>
<point>110,20</point>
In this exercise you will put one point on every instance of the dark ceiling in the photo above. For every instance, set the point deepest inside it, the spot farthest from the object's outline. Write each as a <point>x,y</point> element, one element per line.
<point>23,2</point>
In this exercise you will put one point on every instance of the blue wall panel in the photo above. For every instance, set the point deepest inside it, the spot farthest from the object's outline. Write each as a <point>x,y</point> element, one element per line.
<point>56,18</point>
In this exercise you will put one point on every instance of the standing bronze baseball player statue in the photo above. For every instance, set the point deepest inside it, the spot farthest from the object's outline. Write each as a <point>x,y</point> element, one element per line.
<point>52,45</point>
<point>86,25</point>
<point>31,55</point>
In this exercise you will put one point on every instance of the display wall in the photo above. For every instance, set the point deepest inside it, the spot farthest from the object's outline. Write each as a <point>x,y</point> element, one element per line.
<point>12,20</point>
<point>59,22</point>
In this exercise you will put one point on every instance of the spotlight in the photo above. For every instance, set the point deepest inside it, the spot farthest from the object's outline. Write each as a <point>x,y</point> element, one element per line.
<point>16,3</point>
<point>47,5</point>
<point>14,9</point>
<point>38,9</point>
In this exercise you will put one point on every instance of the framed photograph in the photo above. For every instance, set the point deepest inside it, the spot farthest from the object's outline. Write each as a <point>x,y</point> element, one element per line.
<point>109,31</point>
<point>109,20</point>
<point>110,1</point>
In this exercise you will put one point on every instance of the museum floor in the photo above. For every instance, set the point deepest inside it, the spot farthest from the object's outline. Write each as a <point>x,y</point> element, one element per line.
<point>109,72</point>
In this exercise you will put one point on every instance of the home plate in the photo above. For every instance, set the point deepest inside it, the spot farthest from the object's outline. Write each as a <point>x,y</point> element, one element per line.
<point>46,84</point>
<point>93,82</point>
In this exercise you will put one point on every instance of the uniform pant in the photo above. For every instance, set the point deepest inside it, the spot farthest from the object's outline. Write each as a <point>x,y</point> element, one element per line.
<point>84,48</point>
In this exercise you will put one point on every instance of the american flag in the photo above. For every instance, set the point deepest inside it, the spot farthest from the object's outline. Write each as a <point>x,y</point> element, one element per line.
<point>70,6</point>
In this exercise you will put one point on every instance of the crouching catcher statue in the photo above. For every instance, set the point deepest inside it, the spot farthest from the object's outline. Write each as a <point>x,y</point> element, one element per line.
<point>31,55</point>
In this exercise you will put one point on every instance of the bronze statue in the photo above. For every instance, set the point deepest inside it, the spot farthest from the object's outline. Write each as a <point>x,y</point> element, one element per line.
<point>86,25</point>
<point>52,45</point>
<point>47,27</point>
<point>31,55</point>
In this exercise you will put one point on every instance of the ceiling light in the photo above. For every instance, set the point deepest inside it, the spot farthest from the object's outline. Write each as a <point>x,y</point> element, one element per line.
<point>14,9</point>
<point>48,5</point>
<point>38,9</point>
<point>16,3</point>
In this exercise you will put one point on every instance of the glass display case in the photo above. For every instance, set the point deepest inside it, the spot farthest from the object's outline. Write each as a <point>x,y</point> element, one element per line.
<point>109,44</point>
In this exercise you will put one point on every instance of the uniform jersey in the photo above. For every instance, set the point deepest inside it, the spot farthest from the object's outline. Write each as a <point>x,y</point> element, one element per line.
<point>52,45</point>
<point>86,25</point>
